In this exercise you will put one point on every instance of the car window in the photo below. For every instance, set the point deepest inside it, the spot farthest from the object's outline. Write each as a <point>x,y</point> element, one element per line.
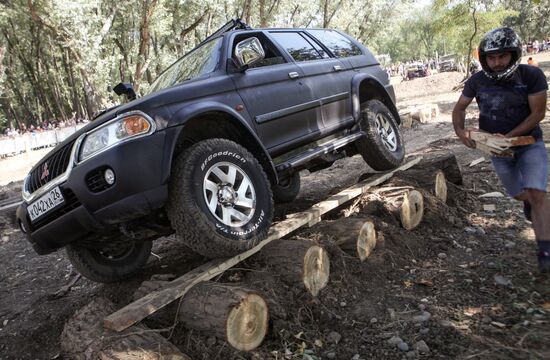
<point>318,47</point>
<point>272,54</point>
<point>299,48</point>
<point>200,61</point>
<point>338,44</point>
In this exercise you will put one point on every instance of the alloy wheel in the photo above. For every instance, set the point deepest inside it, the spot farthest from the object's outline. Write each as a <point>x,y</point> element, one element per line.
<point>229,194</point>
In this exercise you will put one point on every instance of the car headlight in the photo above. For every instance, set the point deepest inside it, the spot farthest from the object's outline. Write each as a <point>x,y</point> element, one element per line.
<point>112,133</point>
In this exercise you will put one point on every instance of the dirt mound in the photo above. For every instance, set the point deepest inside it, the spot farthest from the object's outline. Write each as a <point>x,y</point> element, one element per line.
<point>431,85</point>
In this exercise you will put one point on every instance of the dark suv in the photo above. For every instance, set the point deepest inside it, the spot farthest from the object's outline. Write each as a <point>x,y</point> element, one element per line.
<point>220,135</point>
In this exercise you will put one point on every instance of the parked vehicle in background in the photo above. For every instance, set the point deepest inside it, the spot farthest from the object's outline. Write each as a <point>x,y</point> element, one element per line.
<point>416,69</point>
<point>448,63</point>
<point>220,135</point>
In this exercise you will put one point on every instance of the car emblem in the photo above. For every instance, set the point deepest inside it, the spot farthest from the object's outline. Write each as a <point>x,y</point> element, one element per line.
<point>45,171</point>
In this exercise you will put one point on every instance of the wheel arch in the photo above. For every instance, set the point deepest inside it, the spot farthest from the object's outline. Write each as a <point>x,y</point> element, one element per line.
<point>220,122</point>
<point>366,87</point>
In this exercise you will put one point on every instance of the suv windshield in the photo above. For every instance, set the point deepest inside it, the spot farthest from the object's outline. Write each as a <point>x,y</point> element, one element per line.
<point>200,61</point>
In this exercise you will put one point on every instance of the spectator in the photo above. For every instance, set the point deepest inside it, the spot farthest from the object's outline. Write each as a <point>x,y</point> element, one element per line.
<point>532,61</point>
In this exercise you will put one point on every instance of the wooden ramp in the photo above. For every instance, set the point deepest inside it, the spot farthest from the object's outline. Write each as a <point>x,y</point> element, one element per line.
<point>140,309</point>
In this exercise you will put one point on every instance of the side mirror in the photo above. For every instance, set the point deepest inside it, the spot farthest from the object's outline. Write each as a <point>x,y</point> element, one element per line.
<point>125,89</point>
<point>248,52</point>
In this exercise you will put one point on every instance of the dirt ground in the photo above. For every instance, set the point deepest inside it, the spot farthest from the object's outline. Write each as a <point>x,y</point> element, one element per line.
<point>471,274</point>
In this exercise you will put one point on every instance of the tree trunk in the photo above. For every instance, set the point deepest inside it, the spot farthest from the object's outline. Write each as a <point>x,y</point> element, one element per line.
<point>298,262</point>
<point>84,338</point>
<point>434,182</point>
<point>406,205</point>
<point>356,236</point>
<point>145,39</point>
<point>439,160</point>
<point>232,313</point>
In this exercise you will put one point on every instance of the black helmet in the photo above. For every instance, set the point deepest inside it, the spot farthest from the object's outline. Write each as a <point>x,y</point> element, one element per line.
<point>498,41</point>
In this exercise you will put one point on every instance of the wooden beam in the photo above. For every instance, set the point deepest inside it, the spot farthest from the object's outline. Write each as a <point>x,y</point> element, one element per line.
<point>141,308</point>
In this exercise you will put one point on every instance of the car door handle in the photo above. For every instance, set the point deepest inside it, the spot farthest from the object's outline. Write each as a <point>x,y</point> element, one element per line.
<point>337,67</point>
<point>293,75</point>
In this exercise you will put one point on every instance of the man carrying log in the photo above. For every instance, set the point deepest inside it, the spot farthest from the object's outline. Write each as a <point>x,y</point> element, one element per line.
<point>512,101</point>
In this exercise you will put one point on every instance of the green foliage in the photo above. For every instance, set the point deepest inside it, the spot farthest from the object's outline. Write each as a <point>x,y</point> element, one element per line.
<point>58,58</point>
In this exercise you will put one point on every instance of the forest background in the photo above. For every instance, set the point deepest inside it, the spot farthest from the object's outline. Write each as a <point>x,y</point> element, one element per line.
<point>60,58</point>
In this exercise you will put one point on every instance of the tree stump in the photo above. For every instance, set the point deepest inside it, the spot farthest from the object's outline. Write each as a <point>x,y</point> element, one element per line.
<point>229,312</point>
<point>405,205</point>
<point>356,236</point>
<point>298,261</point>
<point>234,313</point>
<point>84,338</point>
<point>443,161</point>
<point>434,183</point>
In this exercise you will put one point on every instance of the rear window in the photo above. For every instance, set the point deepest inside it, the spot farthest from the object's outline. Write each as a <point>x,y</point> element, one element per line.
<point>338,44</point>
<point>297,46</point>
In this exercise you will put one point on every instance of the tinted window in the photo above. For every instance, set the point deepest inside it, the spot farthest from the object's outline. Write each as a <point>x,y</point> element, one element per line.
<point>298,47</point>
<point>339,45</point>
<point>200,61</point>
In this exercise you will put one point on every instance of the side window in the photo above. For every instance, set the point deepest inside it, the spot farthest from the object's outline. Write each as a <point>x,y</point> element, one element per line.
<point>317,47</point>
<point>272,55</point>
<point>339,45</point>
<point>299,48</point>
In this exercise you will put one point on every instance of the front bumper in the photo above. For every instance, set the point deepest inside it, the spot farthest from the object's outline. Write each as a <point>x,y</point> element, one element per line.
<point>138,190</point>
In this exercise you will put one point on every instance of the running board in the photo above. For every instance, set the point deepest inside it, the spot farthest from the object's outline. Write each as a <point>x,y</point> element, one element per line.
<point>311,154</point>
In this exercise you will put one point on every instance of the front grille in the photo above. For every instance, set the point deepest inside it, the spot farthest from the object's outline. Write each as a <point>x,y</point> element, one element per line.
<point>71,203</point>
<point>56,164</point>
<point>96,181</point>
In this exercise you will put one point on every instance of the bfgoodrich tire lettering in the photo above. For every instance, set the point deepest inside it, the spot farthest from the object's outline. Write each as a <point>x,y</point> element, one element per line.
<point>382,147</point>
<point>107,266</point>
<point>220,200</point>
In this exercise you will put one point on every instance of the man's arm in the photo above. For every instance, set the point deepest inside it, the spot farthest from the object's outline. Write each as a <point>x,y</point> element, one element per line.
<point>537,104</point>
<point>459,116</point>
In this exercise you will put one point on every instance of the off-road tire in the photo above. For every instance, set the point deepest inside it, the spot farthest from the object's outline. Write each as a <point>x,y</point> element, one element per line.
<point>372,146</point>
<point>96,266</point>
<point>288,190</point>
<point>193,221</point>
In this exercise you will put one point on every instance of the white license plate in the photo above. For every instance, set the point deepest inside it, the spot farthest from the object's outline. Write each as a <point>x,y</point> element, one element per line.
<point>47,202</point>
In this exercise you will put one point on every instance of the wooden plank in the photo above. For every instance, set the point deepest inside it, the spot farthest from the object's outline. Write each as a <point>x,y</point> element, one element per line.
<point>141,308</point>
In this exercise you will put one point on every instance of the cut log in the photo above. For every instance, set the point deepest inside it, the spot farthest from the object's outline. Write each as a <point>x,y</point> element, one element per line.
<point>411,210</point>
<point>434,182</point>
<point>406,120</point>
<point>356,236</point>
<point>423,115</point>
<point>84,338</point>
<point>407,206</point>
<point>234,313</point>
<point>443,161</point>
<point>299,261</point>
<point>440,190</point>
<point>230,312</point>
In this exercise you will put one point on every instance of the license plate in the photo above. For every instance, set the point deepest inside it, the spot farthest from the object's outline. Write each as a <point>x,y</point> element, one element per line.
<point>46,203</point>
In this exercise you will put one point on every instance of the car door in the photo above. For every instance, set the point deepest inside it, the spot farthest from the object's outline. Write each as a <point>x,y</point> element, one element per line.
<point>328,76</point>
<point>283,107</point>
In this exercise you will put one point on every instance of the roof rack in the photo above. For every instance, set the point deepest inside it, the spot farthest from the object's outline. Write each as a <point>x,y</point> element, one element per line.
<point>233,24</point>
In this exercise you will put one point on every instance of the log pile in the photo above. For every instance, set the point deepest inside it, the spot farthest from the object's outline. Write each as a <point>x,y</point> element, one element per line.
<point>239,314</point>
<point>423,114</point>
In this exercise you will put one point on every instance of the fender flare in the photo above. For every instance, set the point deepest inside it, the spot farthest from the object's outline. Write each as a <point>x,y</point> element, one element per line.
<point>388,99</point>
<point>193,110</point>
